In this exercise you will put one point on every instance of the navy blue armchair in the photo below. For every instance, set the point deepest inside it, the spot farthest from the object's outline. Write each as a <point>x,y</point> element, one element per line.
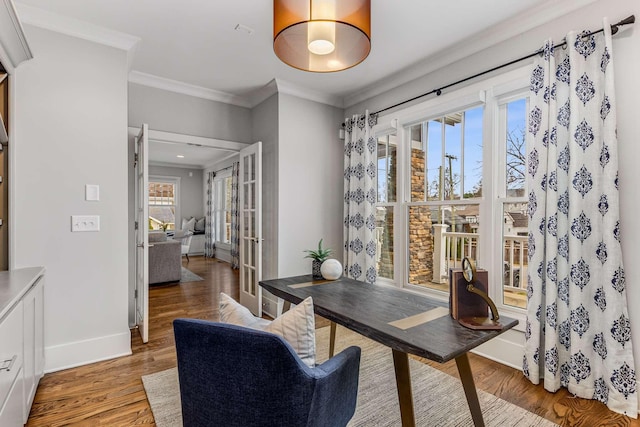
<point>235,376</point>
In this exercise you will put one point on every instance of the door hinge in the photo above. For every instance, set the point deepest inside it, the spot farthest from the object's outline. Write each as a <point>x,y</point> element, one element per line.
<point>135,160</point>
<point>135,293</point>
<point>135,225</point>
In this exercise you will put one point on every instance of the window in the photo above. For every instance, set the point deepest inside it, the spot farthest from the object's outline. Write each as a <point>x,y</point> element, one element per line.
<point>445,158</point>
<point>512,140</point>
<point>386,204</point>
<point>451,184</point>
<point>163,203</point>
<point>222,208</point>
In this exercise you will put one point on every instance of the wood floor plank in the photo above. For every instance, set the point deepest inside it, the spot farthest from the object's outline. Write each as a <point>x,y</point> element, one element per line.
<point>110,393</point>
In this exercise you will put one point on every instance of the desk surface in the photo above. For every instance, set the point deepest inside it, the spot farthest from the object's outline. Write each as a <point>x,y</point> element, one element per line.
<point>369,309</point>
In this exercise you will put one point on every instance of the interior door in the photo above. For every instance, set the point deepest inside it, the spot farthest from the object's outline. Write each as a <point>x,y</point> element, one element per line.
<point>250,212</point>
<point>142,232</point>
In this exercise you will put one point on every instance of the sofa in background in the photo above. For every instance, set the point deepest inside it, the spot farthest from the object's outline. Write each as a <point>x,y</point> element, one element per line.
<point>165,259</point>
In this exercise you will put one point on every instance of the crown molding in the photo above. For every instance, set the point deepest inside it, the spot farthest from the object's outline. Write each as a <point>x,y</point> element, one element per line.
<point>261,94</point>
<point>176,86</point>
<point>514,26</point>
<point>302,92</point>
<point>14,47</point>
<point>77,28</point>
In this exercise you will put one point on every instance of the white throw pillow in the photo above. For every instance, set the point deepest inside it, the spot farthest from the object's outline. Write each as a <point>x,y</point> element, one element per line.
<point>188,224</point>
<point>297,326</point>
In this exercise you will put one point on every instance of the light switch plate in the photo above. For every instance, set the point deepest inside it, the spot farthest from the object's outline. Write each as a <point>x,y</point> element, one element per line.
<point>92,192</point>
<point>85,222</point>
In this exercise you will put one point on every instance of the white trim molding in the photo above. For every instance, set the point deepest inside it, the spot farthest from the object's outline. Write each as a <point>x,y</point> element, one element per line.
<point>77,28</point>
<point>179,138</point>
<point>14,47</point>
<point>176,86</point>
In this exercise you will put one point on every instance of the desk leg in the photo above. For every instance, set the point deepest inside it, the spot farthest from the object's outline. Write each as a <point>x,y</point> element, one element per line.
<point>464,369</point>
<point>332,339</point>
<point>403,382</point>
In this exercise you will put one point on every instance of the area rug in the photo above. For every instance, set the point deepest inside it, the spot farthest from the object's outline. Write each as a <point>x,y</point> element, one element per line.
<point>438,398</point>
<point>187,276</point>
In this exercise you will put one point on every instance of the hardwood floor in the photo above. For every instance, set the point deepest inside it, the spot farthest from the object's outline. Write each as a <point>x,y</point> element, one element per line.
<point>111,392</point>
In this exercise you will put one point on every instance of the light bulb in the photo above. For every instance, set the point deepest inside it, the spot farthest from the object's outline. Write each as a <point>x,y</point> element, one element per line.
<point>321,37</point>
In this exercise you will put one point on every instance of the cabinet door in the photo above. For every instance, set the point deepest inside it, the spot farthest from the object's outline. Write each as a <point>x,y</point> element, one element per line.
<point>33,342</point>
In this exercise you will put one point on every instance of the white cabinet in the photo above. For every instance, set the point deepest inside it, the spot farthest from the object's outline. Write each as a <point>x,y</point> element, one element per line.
<point>33,307</point>
<point>21,342</point>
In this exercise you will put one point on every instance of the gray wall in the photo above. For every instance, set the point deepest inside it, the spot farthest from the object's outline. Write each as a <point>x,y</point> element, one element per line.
<point>178,113</point>
<point>70,130</point>
<point>264,126</point>
<point>311,185</point>
<point>191,192</point>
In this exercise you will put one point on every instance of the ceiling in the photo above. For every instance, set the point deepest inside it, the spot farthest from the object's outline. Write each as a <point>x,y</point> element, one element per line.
<point>194,43</point>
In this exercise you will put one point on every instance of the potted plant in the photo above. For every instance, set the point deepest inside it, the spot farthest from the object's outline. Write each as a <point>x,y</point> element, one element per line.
<point>318,257</point>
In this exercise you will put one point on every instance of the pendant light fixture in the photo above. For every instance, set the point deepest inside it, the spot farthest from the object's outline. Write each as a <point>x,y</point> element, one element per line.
<point>322,36</point>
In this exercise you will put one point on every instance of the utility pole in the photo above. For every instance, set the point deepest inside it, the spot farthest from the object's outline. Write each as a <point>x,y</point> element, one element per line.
<point>451,157</point>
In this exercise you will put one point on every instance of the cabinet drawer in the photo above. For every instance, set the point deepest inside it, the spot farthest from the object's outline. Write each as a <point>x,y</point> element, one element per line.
<point>11,330</point>
<point>11,412</point>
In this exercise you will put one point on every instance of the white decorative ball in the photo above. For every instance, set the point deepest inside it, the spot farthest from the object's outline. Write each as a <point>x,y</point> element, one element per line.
<point>331,269</point>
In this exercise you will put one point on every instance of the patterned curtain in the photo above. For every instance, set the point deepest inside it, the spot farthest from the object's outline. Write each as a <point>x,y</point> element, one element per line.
<point>577,331</point>
<point>360,198</point>
<point>235,219</point>
<point>209,223</point>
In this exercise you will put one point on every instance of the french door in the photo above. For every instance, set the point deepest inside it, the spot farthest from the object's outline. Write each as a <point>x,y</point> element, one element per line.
<point>250,212</point>
<point>142,232</point>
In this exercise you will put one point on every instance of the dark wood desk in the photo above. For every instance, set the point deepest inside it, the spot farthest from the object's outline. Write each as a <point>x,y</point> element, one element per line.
<point>406,322</point>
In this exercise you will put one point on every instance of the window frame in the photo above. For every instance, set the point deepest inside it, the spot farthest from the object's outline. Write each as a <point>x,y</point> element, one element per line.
<point>488,93</point>
<point>175,180</point>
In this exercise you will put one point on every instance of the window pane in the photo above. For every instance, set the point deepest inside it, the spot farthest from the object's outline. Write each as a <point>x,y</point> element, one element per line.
<point>473,153</point>
<point>452,155</point>
<point>435,173</point>
<point>384,238</point>
<point>515,258</point>
<point>418,164</point>
<point>387,168</point>
<point>439,238</point>
<point>516,148</point>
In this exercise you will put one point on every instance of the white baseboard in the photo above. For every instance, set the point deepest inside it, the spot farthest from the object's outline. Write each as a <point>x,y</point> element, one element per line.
<point>507,349</point>
<point>71,355</point>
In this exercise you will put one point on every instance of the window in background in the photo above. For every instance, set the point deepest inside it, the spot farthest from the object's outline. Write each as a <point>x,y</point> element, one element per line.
<point>222,208</point>
<point>162,204</point>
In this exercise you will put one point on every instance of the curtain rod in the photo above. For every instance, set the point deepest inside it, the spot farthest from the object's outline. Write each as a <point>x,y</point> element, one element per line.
<point>614,29</point>
<point>223,169</point>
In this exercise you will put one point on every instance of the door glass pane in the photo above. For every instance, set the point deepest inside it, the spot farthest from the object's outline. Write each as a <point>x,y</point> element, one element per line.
<point>247,196</point>
<point>253,167</point>
<point>515,230</point>
<point>245,169</point>
<point>452,155</point>
<point>252,195</point>
<point>384,239</point>
<point>440,236</point>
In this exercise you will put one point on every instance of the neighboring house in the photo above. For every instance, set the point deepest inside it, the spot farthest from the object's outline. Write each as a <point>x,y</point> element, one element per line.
<point>74,103</point>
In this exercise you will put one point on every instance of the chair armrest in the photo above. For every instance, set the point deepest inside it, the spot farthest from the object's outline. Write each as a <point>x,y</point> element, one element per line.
<point>335,397</point>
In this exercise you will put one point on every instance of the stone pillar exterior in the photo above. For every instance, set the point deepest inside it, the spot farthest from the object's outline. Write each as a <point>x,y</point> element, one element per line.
<point>420,233</point>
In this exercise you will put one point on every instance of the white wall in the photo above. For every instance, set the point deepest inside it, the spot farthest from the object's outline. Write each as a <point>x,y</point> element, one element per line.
<point>310,175</point>
<point>71,130</point>
<point>626,46</point>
